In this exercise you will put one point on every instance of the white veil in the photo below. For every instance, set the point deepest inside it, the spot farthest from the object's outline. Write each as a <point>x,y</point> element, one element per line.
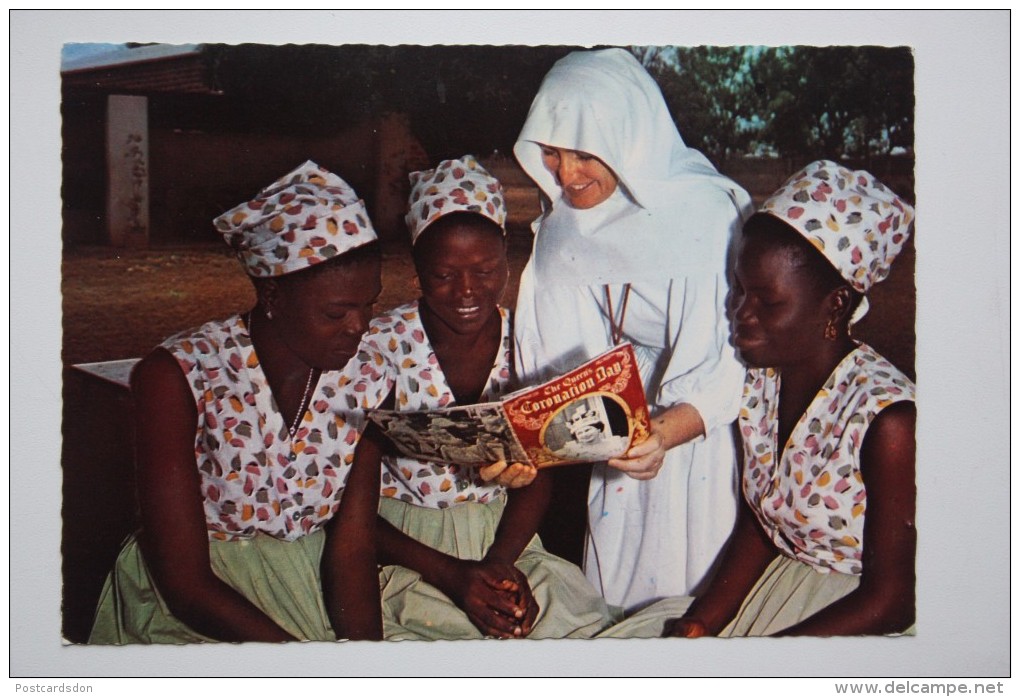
<point>670,197</point>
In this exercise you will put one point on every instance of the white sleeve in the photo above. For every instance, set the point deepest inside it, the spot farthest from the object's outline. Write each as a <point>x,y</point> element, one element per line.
<point>702,369</point>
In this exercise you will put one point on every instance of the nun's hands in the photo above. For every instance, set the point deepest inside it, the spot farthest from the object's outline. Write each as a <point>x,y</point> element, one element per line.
<point>644,460</point>
<point>679,424</point>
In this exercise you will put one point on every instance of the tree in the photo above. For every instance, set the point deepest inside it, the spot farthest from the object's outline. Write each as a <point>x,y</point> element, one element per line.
<point>793,101</point>
<point>707,90</point>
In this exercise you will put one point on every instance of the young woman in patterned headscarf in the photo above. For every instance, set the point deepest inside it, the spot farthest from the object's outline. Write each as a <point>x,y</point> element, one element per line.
<point>826,542</point>
<point>460,554</point>
<point>244,447</point>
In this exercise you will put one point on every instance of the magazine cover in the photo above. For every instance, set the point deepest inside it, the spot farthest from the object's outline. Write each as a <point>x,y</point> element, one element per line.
<point>594,412</point>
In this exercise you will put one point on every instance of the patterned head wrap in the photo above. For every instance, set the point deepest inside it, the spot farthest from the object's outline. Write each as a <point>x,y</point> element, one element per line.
<point>455,186</point>
<point>853,219</point>
<point>304,218</point>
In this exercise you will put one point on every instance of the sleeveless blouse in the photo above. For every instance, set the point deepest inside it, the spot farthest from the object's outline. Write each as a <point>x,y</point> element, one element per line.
<point>398,349</point>
<point>810,497</point>
<point>254,477</point>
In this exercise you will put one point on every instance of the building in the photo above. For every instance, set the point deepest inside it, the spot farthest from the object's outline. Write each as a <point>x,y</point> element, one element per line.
<point>158,140</point>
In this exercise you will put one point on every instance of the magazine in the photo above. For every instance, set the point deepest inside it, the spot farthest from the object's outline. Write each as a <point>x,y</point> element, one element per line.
<point>592,413</point>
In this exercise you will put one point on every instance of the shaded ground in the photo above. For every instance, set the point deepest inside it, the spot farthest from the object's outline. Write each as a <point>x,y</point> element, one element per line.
<point>119,303</point>
<point>122,303</point>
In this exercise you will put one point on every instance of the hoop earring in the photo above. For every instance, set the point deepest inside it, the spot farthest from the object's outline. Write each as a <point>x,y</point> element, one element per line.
<point>831,332</point>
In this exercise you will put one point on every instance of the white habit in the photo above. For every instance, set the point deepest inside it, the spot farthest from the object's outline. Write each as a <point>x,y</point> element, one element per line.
<point>666,231</point>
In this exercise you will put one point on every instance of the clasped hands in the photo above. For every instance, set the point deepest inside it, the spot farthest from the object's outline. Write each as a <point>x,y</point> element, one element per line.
<point>496,598</point>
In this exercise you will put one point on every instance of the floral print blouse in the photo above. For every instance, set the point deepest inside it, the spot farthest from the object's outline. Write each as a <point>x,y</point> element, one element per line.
<point>810,497</point>
<point>255,478</point>
<point>396,346</point>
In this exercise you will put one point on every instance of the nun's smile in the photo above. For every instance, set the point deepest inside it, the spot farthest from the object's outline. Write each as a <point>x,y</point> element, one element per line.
<point>586,181</point>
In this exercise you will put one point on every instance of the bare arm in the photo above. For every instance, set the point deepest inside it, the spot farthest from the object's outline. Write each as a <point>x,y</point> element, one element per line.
<point>744,561</point>
<point>350,573</point>
<point>174,538</point>
<point>884,601</point>
<point>524,510</point>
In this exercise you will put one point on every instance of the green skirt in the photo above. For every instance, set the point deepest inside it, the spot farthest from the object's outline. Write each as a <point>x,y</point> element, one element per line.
<point>412,609</point>
<point>788,592</point>
<point>280,578</point>
<point>648,622</point>
<point>283,580</point>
